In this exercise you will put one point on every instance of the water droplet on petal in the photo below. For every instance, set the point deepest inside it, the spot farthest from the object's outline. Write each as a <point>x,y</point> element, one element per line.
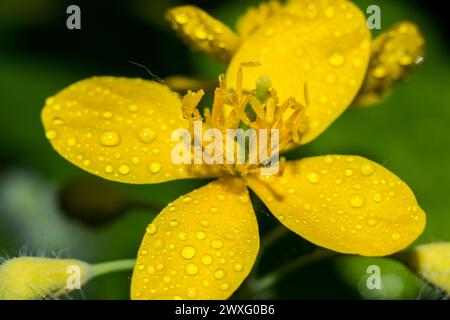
<point>336,59</point>
<point>238,267</point>
<point>213,209</point>
<point>216,244</point>
<point>191,269</point>
<point>313,177</point>
<point>107,115</point>
<point>206,259</point>
<point>367,169</point>
<point>200,235</point>
<point>357,201</point>
<point>377,197</point>
<point>186,199</point>
<point>182,236</point>
<point>146,135</point>
<point>51,134</point>
<point>154,167</point>
<point>152,228</point>
<point>225,286</point>
<point>124,169</point>
<point>173,223</point>
<point>395,236</point>
<point>220,274</point>
<point>110,139</point>
<point>348,172</point>
<point>371,222</point>
<point>188,252</point>
<point>109,169</point>
<point>181,18</point>
<point>191,293</point>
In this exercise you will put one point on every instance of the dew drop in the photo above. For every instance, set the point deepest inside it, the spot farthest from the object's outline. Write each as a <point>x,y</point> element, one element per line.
<point>146,135</point>
<point>110,139</point>
<point>395,236</point>
<point>216,244</point>
<point>357,201</point>
<point>154,167</point>
<point>328,160</point>
<point>206,259</point>
<point>188,252</point>
<point>152,228</point>
<point>200,235</point>
<point>182,236</point>
<point>313,177</point>
<point>191,269</point>
<point>173,223</point>
<point>191,293</point>
<point>238,267</point>
<point>181,18</point>
<point>51,134</point>
<point>220,274</point>
<point>213,209</point>
<point>124,169</point>
<point>225,286</point>
<point>336,59</point>
<point>107,115</point>
<point>377,197</point>
<point>371,222</point>
<point>109,169</point>
<point>186,199</point>
<point>200,34</point>
<point>135,160</point>
<point>348,172</point>
<point>367,169</point>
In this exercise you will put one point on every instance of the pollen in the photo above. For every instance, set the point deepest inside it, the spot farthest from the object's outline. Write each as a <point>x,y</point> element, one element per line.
<point>258,109</point>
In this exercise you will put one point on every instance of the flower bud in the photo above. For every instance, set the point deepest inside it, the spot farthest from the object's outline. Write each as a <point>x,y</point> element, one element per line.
<point>432,262</point>
<point>32,278</point>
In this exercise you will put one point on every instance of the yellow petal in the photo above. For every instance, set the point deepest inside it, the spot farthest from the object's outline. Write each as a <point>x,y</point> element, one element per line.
<point>431,261</point>
<point>255,17</point>
<point>395,53</point>
<point>344,203</point>
<point>201,246</point>
<point>204,33</point>
<point>118,128</point>
<point>323,43</point>
<point>30,278</point>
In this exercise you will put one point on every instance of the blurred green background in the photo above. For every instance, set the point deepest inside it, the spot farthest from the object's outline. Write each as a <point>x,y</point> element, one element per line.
<point>409,134</point>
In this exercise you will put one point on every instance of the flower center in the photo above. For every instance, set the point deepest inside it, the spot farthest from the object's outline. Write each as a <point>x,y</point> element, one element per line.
<point>258,111</point>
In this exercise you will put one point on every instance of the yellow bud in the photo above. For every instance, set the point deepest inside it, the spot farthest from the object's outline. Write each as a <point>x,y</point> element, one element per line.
<point>432,262</point>
<point>30,278</point>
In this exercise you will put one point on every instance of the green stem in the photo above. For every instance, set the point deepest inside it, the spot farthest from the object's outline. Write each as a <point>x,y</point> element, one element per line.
<point>100,269</point>
<point>270,279</point>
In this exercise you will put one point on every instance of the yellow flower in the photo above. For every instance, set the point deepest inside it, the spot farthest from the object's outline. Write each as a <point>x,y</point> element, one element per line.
<point>323,42</point>
<point>203,245</point>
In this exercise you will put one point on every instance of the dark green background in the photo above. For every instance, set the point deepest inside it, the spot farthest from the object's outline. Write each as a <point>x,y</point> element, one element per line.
<point>409,134</point>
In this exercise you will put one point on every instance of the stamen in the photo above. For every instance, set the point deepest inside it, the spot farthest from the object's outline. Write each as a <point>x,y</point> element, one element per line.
<point>231,110</point>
